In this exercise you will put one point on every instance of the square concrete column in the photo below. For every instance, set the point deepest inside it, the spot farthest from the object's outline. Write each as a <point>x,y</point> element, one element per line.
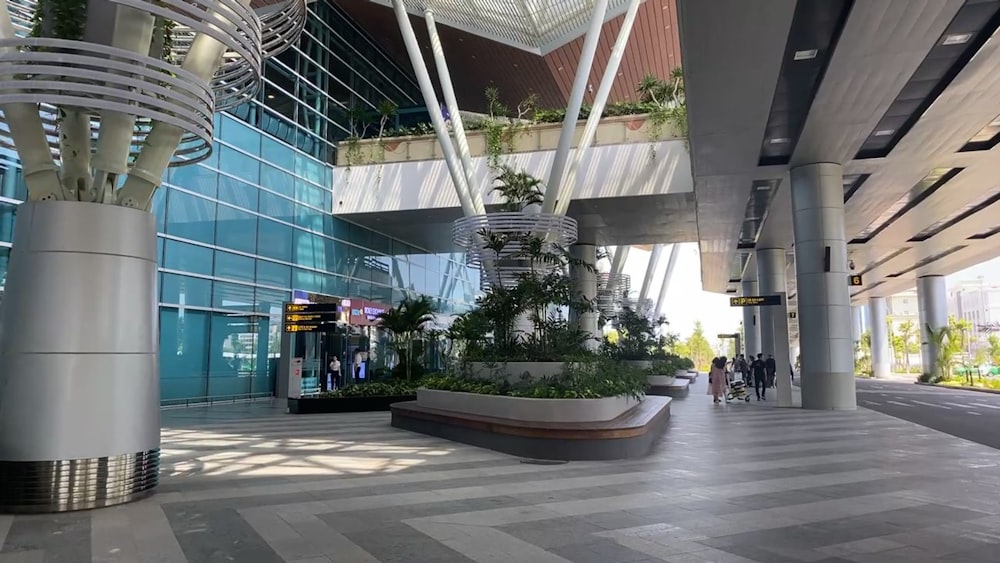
<point>823,294</point>
<point>932,308</point>
<point>881,357</point>
<point>751,322</point>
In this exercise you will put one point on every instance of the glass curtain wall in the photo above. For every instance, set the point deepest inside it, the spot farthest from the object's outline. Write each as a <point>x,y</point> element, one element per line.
<point>243,229</point>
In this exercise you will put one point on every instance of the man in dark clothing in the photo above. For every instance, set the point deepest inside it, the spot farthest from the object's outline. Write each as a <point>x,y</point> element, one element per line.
<point>772,368</point>
<point>759,370</point>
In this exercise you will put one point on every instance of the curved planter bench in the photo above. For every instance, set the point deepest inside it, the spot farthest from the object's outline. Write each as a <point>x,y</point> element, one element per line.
<point>667,385</point>
<point>631,435</point>
<point>690,374</point>
<point>524,409</point>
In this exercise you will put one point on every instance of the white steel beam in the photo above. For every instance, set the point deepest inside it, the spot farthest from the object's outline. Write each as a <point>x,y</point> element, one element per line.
<point>563,195</point>
<point>661,301</point>
<point>434,108</point>
<point>475,193</point>
<point>651,266</point>
<point>573,107</point>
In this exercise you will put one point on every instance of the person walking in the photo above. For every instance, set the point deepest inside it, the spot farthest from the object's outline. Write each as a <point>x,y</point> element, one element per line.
<point>771,367</point>
<point>334,373</point>
<point>759,370</point>
<point>717,380</point>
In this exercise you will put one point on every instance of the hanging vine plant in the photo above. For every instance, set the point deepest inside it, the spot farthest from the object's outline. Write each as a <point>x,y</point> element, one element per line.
<point>500,131</point>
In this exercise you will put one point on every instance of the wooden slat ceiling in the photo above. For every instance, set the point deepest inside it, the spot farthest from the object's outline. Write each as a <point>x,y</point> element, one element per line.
<point>477,63</point>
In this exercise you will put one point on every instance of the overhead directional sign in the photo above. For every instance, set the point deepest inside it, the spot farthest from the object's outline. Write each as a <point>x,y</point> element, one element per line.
<point>310,317</point>
<point>755,301</point>
<point>854,280</point>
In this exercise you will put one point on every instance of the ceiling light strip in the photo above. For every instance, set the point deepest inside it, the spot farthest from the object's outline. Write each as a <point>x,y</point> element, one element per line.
<point>955,218</point>
<point>970,29</point>
<point>911,199</point>
<point>928,260</point>
<point>815,30</point>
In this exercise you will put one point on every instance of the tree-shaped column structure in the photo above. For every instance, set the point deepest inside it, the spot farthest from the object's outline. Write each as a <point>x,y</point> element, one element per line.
<point>98,99</point>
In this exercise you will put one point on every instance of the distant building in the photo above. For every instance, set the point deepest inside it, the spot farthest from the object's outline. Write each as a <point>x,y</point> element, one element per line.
<point>975,301</point>
<point>902,308</point>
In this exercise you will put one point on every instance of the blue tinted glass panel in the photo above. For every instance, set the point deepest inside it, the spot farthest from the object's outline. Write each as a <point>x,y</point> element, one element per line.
<point>276,207</point>
<point>275,240</point>
<point>240,165</point>
<point>238,134</point>
<point>311,170</point>
<point>341,229</point>
<point>270,301</point>
<point>277,181</point>
<point>313,196</point>
<point>310,250</point>
<point>311,219</point>
<point>238,193</point>
<point>237,230</point>
<point>185,290</point>
<point>183,354</point>
<point>234,266</point>
<point>194,178</point>
<point>190,217</point>
<point>271,273</point>
<point>338,286</point>
<point>278,154</point>
<point>359,235</point>
<point>231,355</point>
<point>7,222</point>
<point>382,294</point>
<point>307,280</point>
<point>186,257</point>
<point>233,296</point>
<point>360,290</point>
<point>381,243</point>
<point>159,207</point>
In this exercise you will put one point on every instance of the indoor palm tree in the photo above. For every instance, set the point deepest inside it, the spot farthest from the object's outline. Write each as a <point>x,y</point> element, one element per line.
<point>406,322</point>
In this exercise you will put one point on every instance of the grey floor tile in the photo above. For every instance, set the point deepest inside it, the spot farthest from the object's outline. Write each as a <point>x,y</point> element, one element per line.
<point>63,538</point>
<point>598,551</point>
<point>218,536</point>
<point>399,543</point>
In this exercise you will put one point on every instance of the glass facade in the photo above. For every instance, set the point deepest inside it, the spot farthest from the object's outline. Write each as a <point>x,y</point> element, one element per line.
<point>243,229</point>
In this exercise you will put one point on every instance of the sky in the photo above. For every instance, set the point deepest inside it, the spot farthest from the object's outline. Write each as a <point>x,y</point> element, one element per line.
<point>687,303</point>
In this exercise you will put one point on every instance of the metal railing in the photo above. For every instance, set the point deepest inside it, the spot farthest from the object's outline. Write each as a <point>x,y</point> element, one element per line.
<point>215,399</point>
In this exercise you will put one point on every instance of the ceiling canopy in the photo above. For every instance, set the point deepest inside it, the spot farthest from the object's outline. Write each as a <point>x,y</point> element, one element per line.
<point>537,26</point>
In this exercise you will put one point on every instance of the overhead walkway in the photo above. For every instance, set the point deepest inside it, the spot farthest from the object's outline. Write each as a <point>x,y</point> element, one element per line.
<point>634,186</point>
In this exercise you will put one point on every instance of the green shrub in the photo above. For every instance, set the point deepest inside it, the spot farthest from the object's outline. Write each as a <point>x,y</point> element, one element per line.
<point>591,378</point>
<point>375,389</point>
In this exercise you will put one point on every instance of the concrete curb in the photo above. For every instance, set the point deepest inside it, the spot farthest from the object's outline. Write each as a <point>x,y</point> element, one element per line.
<point>978,389</point>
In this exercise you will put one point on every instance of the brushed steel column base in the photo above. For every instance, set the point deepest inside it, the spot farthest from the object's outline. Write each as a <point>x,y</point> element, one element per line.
<point>78,484</point>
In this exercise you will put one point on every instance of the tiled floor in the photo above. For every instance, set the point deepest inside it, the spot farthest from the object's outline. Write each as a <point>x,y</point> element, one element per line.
<point>735,483</point>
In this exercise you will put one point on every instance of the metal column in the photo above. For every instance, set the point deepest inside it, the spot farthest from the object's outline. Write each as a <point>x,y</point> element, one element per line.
<point>661,301</point>
<point>771,271</point>
<point>932,305</point>
<point>751,322</point>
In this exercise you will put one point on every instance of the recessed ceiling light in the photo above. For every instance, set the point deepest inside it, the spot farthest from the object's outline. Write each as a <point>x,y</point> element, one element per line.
<point>270,96</point>
<point>956,38</point>
<point>805,55</point>
<point>779,140</point>
<point>884,132</point>
<point>763,188</point>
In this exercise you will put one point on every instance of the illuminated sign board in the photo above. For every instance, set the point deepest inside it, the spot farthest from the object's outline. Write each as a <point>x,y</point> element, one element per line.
<point>854,280</point>
<point>310,317</point>
<point>755,301</point>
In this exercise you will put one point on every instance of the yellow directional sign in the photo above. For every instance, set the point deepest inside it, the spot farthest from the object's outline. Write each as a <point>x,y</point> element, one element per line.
<point>855,280</point>
<point>755,301</point>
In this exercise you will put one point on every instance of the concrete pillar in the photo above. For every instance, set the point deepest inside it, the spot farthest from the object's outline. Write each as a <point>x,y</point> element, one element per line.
<point>881,354</point>
<point>585,284</point>
<point>932,307</point>
<point>751,322</point>
<point>771,271</point>
<point>823,294</point>
<point>857,325</point>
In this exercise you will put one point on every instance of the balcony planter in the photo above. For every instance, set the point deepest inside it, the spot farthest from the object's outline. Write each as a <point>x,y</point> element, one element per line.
<point>317,405</point>
<point>524,409</point>
<point>534,137</point>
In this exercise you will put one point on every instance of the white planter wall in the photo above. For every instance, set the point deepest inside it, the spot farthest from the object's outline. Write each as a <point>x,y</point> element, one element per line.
<point>660,380</point>
<point>525,409</point>
<point>513,371</point>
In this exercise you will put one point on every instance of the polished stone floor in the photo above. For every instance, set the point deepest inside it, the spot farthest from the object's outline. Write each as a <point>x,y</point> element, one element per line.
<point>735,483</point>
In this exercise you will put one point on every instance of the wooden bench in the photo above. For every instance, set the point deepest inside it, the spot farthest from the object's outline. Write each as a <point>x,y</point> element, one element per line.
<point>631,435</point>
<point>678,388</point>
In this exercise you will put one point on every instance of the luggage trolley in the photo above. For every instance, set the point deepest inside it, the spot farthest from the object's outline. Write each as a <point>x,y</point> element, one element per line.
<point>737,391</point>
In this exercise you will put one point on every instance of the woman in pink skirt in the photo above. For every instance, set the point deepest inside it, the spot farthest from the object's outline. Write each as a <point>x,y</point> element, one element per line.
<point>717,380</point>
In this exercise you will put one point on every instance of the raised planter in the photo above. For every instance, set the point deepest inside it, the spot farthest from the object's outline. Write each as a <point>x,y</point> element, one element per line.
<point>318,405</point>
<point>525,409</point>
<point>668,386</point>
<point>536,137</point>
<point>690,374</point>
<point>513,371</point>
